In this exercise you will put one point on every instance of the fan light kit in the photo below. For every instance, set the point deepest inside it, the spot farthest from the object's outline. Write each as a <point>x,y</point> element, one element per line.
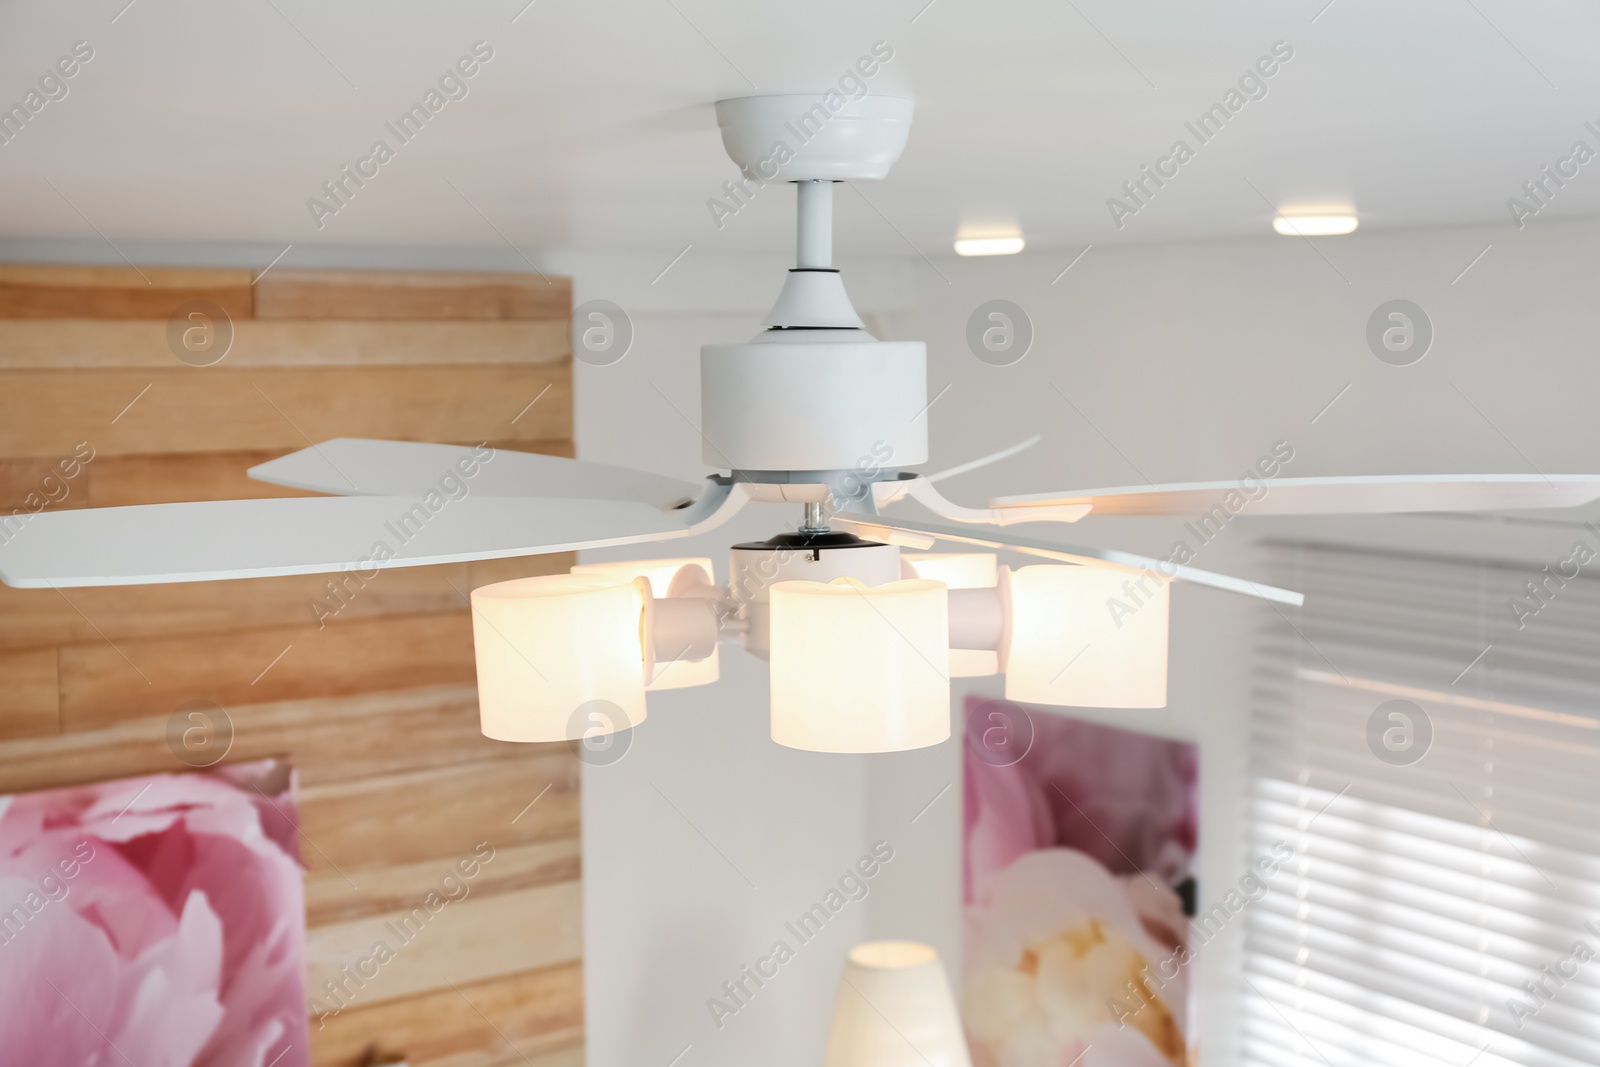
<point>813,413</point>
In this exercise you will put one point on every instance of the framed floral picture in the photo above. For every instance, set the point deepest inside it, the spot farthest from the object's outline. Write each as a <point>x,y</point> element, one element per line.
<point>1079,849</point>
<point>156,920</point>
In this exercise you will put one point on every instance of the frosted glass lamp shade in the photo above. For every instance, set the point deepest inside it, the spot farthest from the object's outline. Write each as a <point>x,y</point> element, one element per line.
<point>895,1009</point>
<point>859,668</point>
<point>660,573</point>
<point>1088,637</point>
<point>549,647</point>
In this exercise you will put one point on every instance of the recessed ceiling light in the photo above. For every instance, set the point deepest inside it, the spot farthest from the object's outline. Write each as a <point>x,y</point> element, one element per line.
<point>1314,225</point>
<point>989,246</point>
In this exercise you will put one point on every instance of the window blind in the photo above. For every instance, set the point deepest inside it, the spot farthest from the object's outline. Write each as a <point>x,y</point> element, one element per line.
<point>1438,910</point>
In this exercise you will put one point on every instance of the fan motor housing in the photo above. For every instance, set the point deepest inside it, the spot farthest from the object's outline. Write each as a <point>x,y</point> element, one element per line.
<point>814,405</point>
<point>815,392</point>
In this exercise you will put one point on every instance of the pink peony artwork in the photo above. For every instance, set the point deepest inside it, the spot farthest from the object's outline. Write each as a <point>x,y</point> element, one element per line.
<point>155,921</point>
<point>1079,849</point>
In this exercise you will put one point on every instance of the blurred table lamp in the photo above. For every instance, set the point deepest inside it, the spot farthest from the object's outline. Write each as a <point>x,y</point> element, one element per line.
<point>895,1009</point>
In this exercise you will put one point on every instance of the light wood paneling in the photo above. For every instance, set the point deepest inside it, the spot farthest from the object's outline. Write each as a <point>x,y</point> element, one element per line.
<point>106,681</point>
<point>33,483</point>
<point>368,891</point>
<point>114,481</point>
<point>375,709</point>
<point>30,701</point>
<point>294,294</point>
<point>539,1012</point>
<point>471,939</point>
<point>412,816</point>
<point>56,343</point>
<point>34,617</point>
<point>74,292</point>
<point>330,740</point>
<point>30,617</point>
<point>566,1056</point>
<point>205,409</point>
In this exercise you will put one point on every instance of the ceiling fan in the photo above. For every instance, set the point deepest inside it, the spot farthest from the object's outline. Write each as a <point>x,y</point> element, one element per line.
<point>814,411</point>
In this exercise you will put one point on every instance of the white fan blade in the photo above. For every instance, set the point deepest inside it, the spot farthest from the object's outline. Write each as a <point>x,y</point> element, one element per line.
<point>355,466</point>
<point>1379,494</point>
<point>1092,557</point>
<point>219,539</point>
<point>924,492</point>
<point>984,461</point>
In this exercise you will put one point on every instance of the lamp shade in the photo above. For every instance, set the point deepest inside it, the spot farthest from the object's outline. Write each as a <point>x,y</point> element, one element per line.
<point>549,646</point>
<point>895,1009</point>
<point>1088,637</point>
<point>660,573</point>
<point>859,668</point>
<point>961,570</point>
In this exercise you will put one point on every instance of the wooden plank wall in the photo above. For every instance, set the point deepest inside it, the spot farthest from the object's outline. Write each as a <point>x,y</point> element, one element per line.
<point>375,707</point>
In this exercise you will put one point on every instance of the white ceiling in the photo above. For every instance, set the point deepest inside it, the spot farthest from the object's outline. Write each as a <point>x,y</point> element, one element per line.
<point>592,127</point>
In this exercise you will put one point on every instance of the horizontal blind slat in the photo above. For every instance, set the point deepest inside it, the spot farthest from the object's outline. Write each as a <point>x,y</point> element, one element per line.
<point>1421,897</point>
